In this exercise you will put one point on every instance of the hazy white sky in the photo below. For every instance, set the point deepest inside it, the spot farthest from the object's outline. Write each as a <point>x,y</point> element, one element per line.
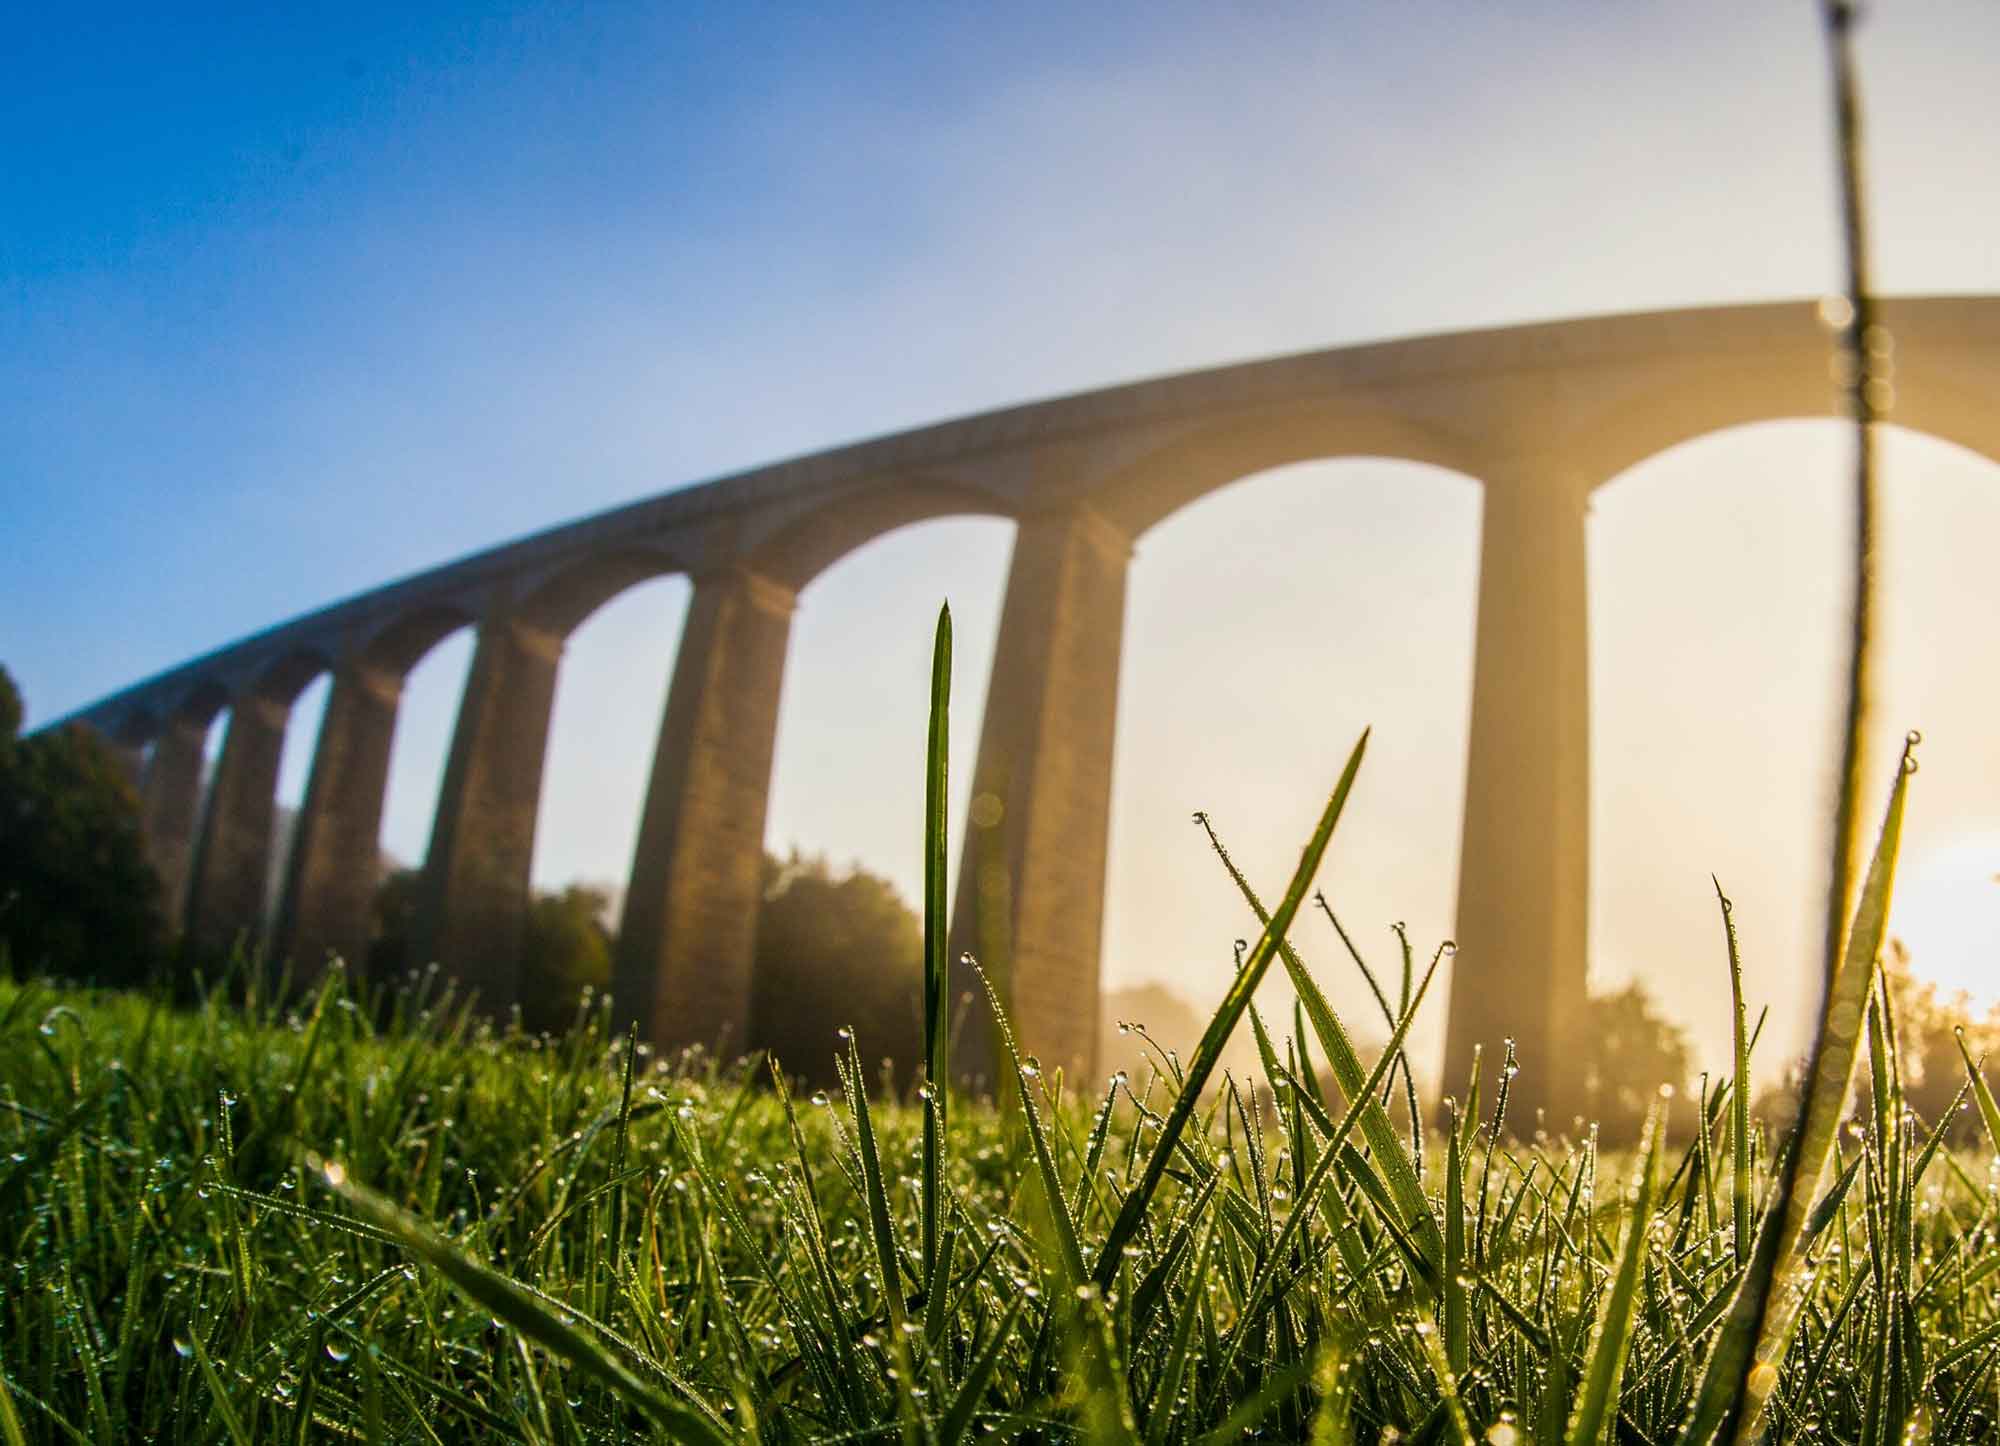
<point>299,311</point>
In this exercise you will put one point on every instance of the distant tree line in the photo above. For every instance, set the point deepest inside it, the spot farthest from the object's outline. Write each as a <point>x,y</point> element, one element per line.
<point>834,948</point>
<point>78,900</point>
<point>77,897</point>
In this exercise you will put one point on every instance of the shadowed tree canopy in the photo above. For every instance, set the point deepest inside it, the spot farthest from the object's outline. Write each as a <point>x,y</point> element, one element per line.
<point>835,950</point>
<point>567,949</point>
<point>1927,1032</point>
<point>395,920</point>
<point>77,897</point>
<point>567,953</point>
<point>1628,1050</point>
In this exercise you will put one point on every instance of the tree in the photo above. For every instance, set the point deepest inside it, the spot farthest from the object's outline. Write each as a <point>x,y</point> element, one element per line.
<point>1627,1051</point>
<point>1927,1030</point>
<point>77,896</point>
<point>566,948</point>
<point>833,951</point>
<point>567,951</point>
<point>395,922</point>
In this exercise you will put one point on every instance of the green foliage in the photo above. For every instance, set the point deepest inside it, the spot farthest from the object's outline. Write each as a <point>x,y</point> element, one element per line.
<point>566,957</point>
<point>565,951</point>
<point>77,896</point>
<point>10,709</point>
<point>1626,1051</point>
<point>835,950</point>
<point>396,901</point>
<point>1929,1030</point>
<point>505,1242</point>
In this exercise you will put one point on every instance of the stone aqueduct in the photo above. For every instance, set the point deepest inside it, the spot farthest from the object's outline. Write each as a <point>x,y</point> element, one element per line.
<point>1538,415</point>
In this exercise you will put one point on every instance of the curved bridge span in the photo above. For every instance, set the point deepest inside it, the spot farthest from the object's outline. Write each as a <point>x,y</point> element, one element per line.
<point>1538,415</point>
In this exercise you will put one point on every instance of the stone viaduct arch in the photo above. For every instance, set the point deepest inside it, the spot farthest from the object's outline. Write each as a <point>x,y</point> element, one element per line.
<point>1539,415</point>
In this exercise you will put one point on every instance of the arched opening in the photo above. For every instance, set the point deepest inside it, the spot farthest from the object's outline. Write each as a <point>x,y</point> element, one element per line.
<point>610,694</point>
<point>848,777</point>
<point>425,716</point>
<point>211,760</point>
<point>294,769</point>
<point>1718,585</point>
<point>1266,625</point>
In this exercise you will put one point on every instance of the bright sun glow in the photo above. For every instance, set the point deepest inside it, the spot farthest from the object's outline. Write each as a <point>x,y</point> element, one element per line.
<point>1947,910</point>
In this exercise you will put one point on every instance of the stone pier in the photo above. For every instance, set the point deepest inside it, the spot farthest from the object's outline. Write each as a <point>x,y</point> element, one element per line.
<point>689,933</point>
<point>1030,899</point>
<point>1524,870</point>
<point>327,906</point>
<point>473,909</point>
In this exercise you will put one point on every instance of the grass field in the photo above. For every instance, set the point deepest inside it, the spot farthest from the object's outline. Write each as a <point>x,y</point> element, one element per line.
<point>373,1215</point>
<point>256,1223</point>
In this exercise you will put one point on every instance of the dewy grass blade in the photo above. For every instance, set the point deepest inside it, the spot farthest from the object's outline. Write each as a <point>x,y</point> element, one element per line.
<point>1740,1184</point>
<point>508,1301</point>
<point>1167,1388</point>
<point>876,1197</point>
<point>1223,1024</point>
<point>1457,1303</point>
<point>1733,1389</point>
<point>1274,1257</point>
<point>957,1422</point>
<point>1399,1165</point>
<point>1989,1111</point>
<point>937,963</point>
<point>1611,1337</point>
<point>1067,1245</point>
<point>231,1421</point>
<point>10,1420</point>
<point>1829,1072</point>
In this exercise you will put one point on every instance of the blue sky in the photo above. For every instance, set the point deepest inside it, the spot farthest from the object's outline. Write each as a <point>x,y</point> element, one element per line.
<point>295,303</point>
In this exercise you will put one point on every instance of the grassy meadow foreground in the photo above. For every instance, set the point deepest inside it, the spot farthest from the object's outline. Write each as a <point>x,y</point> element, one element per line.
<point>379,1219</point>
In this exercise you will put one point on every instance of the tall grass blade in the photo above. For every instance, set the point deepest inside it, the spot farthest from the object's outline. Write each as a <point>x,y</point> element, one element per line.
<point>1611,1336</point>
<point>1982,1094</point>
<point>1740,1184</point>
<point>10,1419</point>
<point>1209,1051</point>
<point>231,1421</point>
<point>1069,1248</point>
<point>1843,994</point>
<point>937,962</point>
<point>875,1194</point>
<point>957,1423</point>
<point>1400,1167</point>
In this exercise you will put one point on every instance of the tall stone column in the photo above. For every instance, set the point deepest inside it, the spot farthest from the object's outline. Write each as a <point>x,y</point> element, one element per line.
<point>473,910</point>
<point>169,802</point>
<point>1030,899</point>
<point>331,876</point>
<point>1524,861</point>
<point>232,856</point>
<point>690,925</point>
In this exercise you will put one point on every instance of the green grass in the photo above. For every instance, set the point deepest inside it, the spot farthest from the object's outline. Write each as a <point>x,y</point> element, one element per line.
<point>374,1216</point>
<point>252,1222</point>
